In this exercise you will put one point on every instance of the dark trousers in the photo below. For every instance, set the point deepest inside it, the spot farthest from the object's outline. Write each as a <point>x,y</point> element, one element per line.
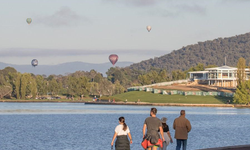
<point>181,142</point>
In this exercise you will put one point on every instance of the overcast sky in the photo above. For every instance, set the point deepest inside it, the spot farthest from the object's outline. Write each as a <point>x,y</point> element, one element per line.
<point>91,30</point>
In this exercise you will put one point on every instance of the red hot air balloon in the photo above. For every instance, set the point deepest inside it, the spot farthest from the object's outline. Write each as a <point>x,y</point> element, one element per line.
<point>113,58</point>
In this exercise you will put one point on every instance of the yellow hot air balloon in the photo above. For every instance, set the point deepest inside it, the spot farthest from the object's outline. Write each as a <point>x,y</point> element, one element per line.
<point>29,20</point>
<point>148,28</point>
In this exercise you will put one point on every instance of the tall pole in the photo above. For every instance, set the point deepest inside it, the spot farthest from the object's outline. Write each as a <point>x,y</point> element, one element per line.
<point>225,60</point>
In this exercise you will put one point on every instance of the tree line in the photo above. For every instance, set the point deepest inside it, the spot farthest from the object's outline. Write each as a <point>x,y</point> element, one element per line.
<point>84,83</point>
<point>78,84</point>
<point>18,85</point>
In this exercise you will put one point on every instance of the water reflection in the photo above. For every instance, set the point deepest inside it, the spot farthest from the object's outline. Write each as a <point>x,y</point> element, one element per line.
<point>81,108</point>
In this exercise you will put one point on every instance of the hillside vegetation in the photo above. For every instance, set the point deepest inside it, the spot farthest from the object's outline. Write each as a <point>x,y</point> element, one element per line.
<point>207,53</point>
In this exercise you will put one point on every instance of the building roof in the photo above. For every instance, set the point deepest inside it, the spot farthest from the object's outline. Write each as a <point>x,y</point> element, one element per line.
<point>222,68</point>
<point>198,72</point>
<point>217,68</point>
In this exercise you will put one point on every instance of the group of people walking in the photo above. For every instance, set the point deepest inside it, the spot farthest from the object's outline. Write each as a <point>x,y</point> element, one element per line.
<point>155,133</point>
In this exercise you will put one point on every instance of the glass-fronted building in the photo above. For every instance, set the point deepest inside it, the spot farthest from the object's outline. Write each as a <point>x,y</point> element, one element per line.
<point>223,76</point>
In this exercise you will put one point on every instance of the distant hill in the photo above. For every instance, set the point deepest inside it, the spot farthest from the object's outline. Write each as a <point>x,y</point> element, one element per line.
<point>65,68</point>
<point>208,53</point>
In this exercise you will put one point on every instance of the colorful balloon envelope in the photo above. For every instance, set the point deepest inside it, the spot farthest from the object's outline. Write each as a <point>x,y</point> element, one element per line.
<point>34,62</point>
<point>29,20</point>
<point>113,58</point>
<point>148,28</point>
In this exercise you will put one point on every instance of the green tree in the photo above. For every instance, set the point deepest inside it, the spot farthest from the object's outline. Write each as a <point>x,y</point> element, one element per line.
<point>106,87</point>
<point>7,70</point>
<point>162,77</point>
<point>118,88</point>
<point>33,87</point>
<point>94,88</point>
<point>98,77</point>
<point>144,80</point>
<point>83,86</point>
<point>115,74</point>
<point>178,75</point>
<point>241,75</point>
<point>17,83</point>
<point>242,94</point>
<point>2,80</point>
<point>5,90</point>
<point>53,86</point>
<point>41,85</point>
<point>24,83</point>
<point>92,73</point>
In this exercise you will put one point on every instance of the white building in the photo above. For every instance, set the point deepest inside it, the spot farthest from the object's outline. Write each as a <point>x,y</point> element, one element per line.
<point>223,76</point>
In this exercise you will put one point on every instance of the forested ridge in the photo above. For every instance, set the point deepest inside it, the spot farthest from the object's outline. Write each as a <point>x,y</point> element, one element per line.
<point>170,67</point>
<point>211,52</point>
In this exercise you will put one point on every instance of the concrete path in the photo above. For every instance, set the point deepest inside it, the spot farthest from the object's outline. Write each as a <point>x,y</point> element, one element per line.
<point>239,147</point>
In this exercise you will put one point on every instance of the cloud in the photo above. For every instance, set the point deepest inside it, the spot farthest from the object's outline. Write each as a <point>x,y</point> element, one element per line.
<point>196,9</point>
<point>138,3</point>
<point>21,52</point>
<point>178,10</point>
<point>64,17</point>
<point>172,8</point>
<point>164,13</point>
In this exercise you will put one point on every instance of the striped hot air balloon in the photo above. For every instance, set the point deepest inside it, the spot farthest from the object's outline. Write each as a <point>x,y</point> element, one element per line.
<point>29,20</point>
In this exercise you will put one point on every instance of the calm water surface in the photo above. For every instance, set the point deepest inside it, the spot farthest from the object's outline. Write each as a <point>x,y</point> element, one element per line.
<point>71,126</point>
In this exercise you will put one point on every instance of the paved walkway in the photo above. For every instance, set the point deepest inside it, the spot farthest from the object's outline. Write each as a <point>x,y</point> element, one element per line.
<point>240,147</point>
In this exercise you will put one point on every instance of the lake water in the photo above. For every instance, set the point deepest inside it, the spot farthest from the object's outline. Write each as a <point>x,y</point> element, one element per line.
<point>72,126</point>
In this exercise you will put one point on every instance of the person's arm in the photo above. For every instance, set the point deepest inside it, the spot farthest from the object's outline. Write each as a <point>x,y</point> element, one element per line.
<point>162,135</point>
<point>169,135</point>
<point>144,130</point>
<point>112,143</point>
<point>130,137</point>
<point>174,125</point>
<point>188,126</point>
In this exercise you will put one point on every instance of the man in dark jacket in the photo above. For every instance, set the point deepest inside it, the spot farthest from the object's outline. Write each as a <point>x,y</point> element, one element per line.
<point>181,126</point>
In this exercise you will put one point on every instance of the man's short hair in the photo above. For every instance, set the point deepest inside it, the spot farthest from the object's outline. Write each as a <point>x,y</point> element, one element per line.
<point>182,112</point>
<point>154,110</point>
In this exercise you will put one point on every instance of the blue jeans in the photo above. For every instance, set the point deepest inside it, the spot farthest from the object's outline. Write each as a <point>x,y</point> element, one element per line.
<point>181,142</point>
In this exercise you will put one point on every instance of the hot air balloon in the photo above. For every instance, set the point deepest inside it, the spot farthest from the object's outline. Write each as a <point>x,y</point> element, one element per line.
<point>148,28</point>
<point>28,20</point>
<point>113,58</point>
<point>34,62</point>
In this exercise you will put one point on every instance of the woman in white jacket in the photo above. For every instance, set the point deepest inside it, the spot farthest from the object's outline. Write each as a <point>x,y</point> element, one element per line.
<point>166,134</point>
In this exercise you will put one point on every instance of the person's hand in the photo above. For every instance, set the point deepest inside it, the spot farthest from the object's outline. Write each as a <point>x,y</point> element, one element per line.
<point>131,141</point>
<point>163,139</point>
<point>171,141</point>
<point>112,143</point>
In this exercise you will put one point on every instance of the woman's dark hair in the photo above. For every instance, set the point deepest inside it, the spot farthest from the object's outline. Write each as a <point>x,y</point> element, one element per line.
<point>122,120</point>
<point>164,125</point>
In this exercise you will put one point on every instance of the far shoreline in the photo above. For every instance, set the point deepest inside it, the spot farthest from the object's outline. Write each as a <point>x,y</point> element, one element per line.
<point>130,103</point>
